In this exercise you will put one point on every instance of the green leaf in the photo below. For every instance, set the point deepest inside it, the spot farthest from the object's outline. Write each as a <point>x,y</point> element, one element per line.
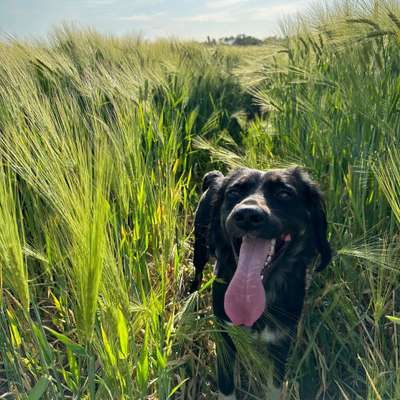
<point>177,387</point>
<point>43,343</point>
<point>122,334</point>
<point>396,320</point>
<point>73,364</point>
<point>107,347</point>
<point>39,389</point>
<point>74,347</point>
<point>210,282</point>
<point>15,336</point>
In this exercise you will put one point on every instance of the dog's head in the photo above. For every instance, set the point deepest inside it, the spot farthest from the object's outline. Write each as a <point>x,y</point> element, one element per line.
<point>266,218</point>
<point>284,206</point>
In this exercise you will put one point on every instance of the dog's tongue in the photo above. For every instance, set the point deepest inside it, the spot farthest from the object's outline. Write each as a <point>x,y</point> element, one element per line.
<point>245,297</point>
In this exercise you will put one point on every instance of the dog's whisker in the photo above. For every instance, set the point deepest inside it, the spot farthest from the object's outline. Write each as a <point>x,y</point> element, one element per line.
<point>281,311</point>
<point>234,252</point>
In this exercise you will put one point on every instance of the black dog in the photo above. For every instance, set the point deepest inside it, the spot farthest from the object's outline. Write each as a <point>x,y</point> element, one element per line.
<point>264,228</point>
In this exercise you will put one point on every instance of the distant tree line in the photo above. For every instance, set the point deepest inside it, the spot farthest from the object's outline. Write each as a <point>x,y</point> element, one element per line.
<point>242,40</point>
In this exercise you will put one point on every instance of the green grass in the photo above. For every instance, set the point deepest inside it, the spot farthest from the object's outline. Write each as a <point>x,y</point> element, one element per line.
<point>103,143</point>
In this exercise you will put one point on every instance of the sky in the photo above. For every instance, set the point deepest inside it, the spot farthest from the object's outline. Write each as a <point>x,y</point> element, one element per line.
<point>186,19</point>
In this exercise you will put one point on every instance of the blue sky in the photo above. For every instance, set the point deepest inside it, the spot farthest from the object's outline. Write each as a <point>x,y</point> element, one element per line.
<point>151,18</point>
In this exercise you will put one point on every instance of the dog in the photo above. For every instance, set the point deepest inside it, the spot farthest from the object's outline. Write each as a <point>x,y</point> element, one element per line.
<point>264,228</point>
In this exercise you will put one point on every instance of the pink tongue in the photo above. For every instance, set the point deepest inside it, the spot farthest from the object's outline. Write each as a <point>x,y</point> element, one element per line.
<point>245,297</point>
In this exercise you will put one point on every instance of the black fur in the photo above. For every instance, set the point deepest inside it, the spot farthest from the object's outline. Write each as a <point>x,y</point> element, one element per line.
<point>202,245</point>
<point>267,204</point>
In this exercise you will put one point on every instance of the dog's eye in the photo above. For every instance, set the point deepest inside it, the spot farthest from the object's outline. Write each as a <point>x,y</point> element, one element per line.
<point>233,194</point>
<point>284,194</point>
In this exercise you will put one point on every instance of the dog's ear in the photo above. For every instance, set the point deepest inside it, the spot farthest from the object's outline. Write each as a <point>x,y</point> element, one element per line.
<point>317,210</point>
<point>212,181</point>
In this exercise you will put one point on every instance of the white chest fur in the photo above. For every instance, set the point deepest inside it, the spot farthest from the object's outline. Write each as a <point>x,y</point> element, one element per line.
<point>267,335</point>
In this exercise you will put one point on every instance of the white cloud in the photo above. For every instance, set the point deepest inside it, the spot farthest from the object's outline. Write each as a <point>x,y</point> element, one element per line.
<point>215,4</point>
<point>208,17</point>
<point>242,12</point>
<point>97,3</point>
<point>142,17</point>
<point>261,13</point>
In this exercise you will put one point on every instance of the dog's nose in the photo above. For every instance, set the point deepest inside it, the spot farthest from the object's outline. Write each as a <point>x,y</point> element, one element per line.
<point>249,217</point>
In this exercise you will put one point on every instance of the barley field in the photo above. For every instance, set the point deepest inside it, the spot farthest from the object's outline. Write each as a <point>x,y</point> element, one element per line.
<point>103,144</point>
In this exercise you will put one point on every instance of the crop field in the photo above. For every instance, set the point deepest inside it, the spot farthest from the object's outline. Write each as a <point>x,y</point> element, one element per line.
<point>103,144</point>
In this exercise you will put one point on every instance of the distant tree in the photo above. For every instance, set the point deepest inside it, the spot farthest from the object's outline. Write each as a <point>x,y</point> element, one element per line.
<point>227,40</point>
<point>245,40</point>
<point>240,40</point>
